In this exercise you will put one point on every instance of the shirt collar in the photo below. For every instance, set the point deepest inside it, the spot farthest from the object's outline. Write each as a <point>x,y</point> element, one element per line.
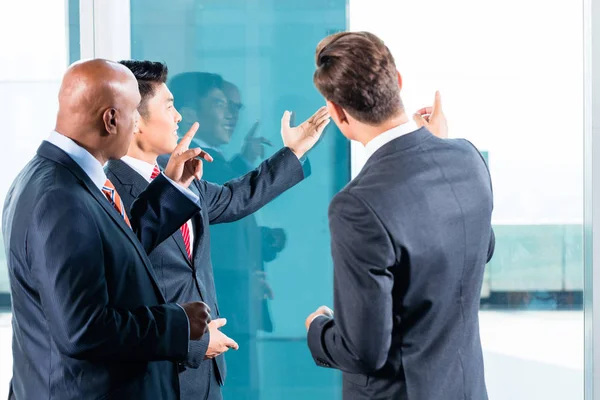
<point>88,163</point>
<point>383,138</point>
<point>141,167</point>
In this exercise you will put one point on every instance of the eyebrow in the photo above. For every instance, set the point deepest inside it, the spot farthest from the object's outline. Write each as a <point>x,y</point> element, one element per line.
<point>170,100</point>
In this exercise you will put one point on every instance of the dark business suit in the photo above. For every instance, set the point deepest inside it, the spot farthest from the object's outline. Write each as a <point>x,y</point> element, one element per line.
<point>410,237</point>
<point>89,320</point>
<point>185,280</point>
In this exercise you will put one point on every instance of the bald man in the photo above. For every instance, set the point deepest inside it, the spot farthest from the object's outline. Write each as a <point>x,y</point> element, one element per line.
<point>89,320</point>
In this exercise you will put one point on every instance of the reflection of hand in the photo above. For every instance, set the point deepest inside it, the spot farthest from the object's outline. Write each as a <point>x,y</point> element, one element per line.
<point>302,138</point>
<point>264,288</point>
<point>183,165</point>
<point>323,310</point>
<point>219,342</point>
<point>433,118</point>
<point>254,146</point>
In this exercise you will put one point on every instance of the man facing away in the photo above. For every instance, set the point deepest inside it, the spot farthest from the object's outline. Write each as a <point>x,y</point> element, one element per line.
<point>89,319</point>
<point>410,237</point>
<point>183,262</point>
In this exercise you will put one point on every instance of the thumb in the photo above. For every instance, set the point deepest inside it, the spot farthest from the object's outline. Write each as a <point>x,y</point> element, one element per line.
<point>219,322</point>
<point>437,104</point>
<point>419,120</point>
<point>285,120</point>
<point>232,344</point>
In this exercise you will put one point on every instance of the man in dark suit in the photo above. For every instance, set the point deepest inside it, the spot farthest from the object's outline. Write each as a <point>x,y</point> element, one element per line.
<point>183,263</point>
<point>89,319</point>
<point>410,237</point>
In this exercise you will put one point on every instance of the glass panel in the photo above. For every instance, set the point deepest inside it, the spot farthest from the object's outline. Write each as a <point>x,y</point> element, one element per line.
<point>512,84</point>
<point>265,49</point>
<point>31,67</point>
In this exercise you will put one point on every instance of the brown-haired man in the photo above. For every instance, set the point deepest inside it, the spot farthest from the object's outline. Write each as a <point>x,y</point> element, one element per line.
<point>410,237</point>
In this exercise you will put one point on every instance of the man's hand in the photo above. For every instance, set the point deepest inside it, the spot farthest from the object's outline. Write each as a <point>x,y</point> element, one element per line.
<point>433,118</point>
<point>254,146</point>
<point>265,290</point>
<point>219,342</point>
<point>183,166</point>
<point>198,314</point>
<point>323,310</point>
<point>302,138</point>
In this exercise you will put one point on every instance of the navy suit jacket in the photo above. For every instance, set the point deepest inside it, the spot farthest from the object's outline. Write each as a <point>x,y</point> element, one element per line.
<point>185,280</point>
<point>89,319</point>
<point>410,237</point>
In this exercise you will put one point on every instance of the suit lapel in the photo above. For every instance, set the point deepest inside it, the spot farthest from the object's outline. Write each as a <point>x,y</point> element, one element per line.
<point>137,184</point>
<point>55,154</point>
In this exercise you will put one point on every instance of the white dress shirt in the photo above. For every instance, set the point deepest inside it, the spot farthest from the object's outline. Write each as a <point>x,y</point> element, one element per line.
<point>88,163</point>
<point>384,138</point>
<point>145,170</point>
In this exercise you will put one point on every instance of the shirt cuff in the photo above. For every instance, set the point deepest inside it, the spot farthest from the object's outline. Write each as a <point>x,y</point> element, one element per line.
<point>188,321</point>
<point>187,192</point>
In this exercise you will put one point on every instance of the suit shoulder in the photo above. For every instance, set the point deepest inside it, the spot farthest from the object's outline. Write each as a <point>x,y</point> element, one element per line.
<point>347,200</point>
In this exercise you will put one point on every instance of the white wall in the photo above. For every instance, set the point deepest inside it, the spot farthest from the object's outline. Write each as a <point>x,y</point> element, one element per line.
<point>511,78</point>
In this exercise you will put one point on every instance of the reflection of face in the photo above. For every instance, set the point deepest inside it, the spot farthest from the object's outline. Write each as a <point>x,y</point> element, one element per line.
<point>216,121</point>
<point>127,117</point>
<point>158,126</point>
<point>234,101</point>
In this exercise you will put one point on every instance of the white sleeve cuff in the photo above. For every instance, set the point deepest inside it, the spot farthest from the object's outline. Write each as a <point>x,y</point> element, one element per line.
<point>187,192</point>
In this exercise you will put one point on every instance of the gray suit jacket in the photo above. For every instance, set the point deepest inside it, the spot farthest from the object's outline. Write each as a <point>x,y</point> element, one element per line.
<point>183,280</point>
<point>411,235</point>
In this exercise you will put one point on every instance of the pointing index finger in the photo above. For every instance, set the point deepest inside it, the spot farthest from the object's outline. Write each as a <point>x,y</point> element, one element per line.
<point>184,144</point>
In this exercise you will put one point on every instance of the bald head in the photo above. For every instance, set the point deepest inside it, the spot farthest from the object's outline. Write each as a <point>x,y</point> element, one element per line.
<point>98,102</point>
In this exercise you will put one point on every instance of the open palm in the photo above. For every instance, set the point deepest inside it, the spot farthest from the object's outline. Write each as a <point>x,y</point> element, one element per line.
<point>303,137</point>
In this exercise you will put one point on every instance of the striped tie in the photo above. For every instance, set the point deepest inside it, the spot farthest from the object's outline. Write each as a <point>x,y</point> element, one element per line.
<point>111,194</point>
<point>185,229</point>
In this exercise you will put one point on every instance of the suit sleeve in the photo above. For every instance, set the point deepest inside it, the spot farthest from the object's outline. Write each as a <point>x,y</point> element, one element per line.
<point>492,245</point>
<point>243,196</point>
<point>358,338</point>
<point>159,211</point>
<point>198,349</point>
<point>66,255</point>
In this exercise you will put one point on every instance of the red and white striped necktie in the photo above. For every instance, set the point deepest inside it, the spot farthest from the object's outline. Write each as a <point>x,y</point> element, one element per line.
<point>111,194</point>
<point>185,229</point>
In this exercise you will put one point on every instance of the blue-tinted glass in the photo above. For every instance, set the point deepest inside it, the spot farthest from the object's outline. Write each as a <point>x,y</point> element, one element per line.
<point>264,51</point>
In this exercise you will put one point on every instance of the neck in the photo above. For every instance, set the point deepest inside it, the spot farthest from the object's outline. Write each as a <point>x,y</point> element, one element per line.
<point>369,132</point>
<point>79,139</point>
<point>139,154</point>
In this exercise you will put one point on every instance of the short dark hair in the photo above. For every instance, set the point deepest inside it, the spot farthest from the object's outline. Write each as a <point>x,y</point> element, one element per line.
<point>357,71</point>
<point>189,87</point>
<point>149,74</point>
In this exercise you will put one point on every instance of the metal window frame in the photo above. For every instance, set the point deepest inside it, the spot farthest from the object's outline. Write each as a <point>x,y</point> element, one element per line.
<point>105,29</point>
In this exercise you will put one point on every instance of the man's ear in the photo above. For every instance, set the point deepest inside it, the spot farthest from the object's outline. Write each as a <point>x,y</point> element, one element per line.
<point>109,117</point>
<point>399,80</point>
<point>337,113</point>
